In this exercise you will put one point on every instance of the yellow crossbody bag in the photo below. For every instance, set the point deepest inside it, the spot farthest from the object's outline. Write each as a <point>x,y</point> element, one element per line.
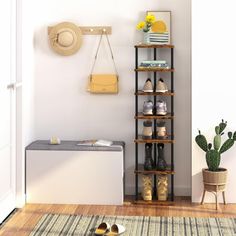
<point>103,83</point>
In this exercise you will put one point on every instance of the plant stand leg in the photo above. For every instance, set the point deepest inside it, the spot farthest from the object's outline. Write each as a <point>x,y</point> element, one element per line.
<point>203,196</point>
<point>216,196</point>
<point>223,194</point>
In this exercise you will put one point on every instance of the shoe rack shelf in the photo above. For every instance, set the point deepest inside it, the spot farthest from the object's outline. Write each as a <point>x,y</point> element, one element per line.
<point>141,140</point>
<point>142,69</point>
<point>139,168</point>
<point>169,93</point>
<point>152,117</point>
<point>153,46</point>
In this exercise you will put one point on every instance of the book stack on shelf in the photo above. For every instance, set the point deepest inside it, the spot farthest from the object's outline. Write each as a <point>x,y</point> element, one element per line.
<point>154,64</point>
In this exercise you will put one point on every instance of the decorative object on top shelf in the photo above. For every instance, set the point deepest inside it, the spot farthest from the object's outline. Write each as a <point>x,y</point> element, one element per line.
<point>148,163</point>
<point>148,87</point>
<point>214,177</point>
<point>146,25</point>
<point>156,27</point>
<point>162,187</point>
<point>161,163</point>
<point>160,31</point>
<point>147,187</point>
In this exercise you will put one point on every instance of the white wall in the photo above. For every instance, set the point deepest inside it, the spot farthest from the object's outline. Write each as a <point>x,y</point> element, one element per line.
<point>213,85</point>
<point>63,108</point>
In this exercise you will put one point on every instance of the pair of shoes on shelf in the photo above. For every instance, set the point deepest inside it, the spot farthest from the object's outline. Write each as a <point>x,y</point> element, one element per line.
<point>161,107</point>
<point>160,88</point>
<point>149,163</point>
<point>105,229</point>
<point>161,130</point>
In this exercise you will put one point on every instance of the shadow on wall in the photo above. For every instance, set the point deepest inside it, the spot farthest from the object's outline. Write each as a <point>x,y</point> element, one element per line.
<point>197,178</point>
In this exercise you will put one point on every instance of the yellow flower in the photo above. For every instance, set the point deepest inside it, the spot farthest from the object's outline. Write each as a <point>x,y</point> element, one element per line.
<point>140,25</point>
<point>150,19</point>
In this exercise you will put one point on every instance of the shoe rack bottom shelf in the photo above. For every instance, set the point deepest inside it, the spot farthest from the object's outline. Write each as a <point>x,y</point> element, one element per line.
<point>168,202</point>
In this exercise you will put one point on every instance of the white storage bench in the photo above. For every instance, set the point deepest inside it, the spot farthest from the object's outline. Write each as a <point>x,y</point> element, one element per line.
<point>72,174</point>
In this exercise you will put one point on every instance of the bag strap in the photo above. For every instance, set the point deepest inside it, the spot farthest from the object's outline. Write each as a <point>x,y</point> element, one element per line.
<point>96,55</point>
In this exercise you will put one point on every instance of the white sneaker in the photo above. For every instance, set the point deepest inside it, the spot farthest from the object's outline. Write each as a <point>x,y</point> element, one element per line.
<point>161,86</point>
<point>161,108</point>
<point>148,108</point>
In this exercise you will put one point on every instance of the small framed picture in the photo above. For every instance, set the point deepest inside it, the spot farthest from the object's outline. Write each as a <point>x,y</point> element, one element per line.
<point>160,32</point>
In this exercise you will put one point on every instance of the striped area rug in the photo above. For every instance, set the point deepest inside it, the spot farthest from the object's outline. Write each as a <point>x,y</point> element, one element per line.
<point>54,224</point>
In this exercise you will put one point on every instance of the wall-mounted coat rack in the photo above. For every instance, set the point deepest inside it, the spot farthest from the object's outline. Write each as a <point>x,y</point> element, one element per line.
<point>94,30</point>
<point>91,30</point>
<point>66,37</point>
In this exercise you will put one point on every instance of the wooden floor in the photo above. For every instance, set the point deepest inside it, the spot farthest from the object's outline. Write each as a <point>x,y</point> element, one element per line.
<point>23,220</point>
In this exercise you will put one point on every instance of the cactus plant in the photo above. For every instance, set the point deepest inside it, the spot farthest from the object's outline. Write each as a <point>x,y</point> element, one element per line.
<point>213,156</point>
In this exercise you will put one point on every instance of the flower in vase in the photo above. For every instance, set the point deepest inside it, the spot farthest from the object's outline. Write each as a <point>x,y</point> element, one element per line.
<point>147,24</point>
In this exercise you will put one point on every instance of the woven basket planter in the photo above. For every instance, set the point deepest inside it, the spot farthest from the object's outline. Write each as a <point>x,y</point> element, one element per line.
<point>215,181</point>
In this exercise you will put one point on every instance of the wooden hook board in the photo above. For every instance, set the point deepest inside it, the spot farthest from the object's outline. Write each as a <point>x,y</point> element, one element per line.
<point>91,30</point>
<point>94,30</point>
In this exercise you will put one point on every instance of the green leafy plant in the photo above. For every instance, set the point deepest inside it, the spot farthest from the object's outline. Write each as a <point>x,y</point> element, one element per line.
<point>213,155</point>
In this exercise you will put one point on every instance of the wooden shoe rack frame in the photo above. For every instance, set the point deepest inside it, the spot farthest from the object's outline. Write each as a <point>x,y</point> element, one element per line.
<point>139,168</point>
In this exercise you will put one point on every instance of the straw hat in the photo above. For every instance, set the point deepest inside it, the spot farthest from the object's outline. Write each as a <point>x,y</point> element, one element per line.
<point>65,38</point>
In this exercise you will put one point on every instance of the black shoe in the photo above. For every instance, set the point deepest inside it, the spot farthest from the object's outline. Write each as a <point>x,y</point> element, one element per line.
<point>161,163</point>
<point>148,163</point>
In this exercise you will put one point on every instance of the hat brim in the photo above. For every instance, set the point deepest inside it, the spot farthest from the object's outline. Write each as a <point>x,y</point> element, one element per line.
<point>77,35</point>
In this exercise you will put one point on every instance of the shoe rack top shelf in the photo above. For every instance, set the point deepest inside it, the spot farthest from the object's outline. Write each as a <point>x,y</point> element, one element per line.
<point>169,93</point>
<point>154,69</point>
<point>153,46</point>
<point>150,117</point>
<point>141,140</point>
<point>141,170</point>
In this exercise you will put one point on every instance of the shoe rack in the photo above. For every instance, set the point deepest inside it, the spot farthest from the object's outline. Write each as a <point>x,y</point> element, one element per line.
<point>169,117</point>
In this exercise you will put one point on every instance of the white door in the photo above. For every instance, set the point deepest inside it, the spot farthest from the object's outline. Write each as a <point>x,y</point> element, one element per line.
<point>7,109</point>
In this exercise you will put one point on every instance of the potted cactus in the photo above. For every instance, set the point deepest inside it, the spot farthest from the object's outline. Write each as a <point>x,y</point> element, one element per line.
<point>214,177</point>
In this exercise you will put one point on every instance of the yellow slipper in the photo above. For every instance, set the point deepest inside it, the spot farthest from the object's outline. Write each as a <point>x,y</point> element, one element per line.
<point>102,229</point>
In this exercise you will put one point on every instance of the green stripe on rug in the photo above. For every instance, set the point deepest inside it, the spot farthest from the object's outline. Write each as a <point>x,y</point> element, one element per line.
<point>78,225</point>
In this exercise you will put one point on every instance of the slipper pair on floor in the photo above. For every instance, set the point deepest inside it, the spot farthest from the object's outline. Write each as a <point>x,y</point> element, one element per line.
<point>105,229</point>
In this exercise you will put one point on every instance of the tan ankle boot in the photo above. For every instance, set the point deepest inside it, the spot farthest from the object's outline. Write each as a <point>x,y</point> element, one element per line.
<point>162,187</point>
<point>147,187</point>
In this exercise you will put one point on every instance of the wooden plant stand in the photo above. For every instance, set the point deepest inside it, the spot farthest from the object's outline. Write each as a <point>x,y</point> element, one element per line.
<point>214,182</point>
